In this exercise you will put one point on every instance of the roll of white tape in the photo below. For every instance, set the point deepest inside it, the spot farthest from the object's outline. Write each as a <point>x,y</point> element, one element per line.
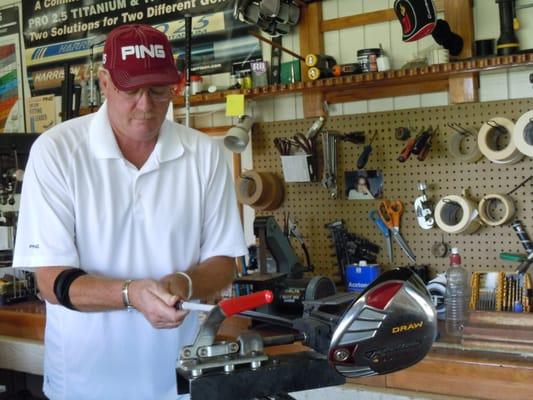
<point>496,200</point>
<point>457,149</point>
<point>455,214</point>
<point>523,134</point>
<point>488,141</point>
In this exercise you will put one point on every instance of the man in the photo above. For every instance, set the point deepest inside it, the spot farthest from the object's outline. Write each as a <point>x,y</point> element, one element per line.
<point>123,214</point>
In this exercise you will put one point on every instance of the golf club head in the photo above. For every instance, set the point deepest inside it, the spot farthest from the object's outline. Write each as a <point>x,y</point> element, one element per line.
<point>390,326</point>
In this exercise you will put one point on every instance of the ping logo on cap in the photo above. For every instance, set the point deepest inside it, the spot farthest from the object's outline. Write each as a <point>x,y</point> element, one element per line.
<point>141,51</point>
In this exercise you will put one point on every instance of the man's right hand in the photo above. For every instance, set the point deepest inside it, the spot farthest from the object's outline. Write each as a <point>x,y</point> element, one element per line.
<point>156,303</point>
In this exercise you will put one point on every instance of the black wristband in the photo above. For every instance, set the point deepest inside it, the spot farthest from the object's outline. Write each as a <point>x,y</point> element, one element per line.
<point>62,286</point>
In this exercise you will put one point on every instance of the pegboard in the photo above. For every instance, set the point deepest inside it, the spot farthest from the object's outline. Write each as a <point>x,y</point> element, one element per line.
<point>313,209</point>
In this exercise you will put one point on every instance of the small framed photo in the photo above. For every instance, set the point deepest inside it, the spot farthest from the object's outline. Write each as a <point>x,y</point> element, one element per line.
<point>363,185</point>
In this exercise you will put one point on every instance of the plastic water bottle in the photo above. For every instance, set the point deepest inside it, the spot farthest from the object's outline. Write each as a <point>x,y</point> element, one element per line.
<point>456,296</point>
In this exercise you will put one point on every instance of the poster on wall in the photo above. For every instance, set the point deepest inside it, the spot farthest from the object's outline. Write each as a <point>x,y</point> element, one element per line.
<point>57,31</point>
<point>11,87</point>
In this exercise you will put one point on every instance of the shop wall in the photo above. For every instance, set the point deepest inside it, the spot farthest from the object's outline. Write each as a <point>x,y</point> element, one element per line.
<point>343,45</point>
<point>309,203</point>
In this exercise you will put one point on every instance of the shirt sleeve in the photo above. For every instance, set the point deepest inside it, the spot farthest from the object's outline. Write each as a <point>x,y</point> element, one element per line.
<point>222,232</point>
<point>45,233</point>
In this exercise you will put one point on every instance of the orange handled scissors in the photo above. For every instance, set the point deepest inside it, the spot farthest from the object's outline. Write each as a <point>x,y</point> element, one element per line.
<point>391,214</point>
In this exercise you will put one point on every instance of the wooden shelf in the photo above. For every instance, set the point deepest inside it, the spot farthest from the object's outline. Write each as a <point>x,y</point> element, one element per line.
<point>376,84</point>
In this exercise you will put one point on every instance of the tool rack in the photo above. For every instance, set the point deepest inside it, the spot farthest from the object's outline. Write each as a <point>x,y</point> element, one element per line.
<point>310,204</point>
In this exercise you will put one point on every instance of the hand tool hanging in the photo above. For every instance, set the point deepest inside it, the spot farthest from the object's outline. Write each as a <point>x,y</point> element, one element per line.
<point>363,158</point>
<point>329,147</point>
<point>188,40</point>
<point>525,239</point>
<point>374,216</point>
<point>391,214</point>
<point>424,208</point>
<point>319,123</point>
<point>420,145</point>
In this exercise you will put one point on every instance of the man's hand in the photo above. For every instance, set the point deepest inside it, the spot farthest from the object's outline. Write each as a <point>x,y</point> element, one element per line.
<point>154,300</point>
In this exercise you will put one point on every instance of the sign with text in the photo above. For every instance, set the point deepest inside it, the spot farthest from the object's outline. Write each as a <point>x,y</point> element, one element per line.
<point>53,21</point>
<point>11,86</point>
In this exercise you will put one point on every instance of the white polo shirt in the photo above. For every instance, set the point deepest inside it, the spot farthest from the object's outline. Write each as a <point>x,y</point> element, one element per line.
<point>83,205</point>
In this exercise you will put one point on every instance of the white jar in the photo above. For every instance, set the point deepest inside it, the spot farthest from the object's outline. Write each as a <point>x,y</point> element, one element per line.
<point>197,84</point>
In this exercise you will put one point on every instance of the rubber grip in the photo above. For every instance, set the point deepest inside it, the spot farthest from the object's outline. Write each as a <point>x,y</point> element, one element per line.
<point>243,303</point>
<point>406,152</point>
<point>363,158</point>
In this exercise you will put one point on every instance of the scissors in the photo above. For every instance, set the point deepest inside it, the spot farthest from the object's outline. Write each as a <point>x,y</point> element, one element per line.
<point>391,214</point>
<point>374,216</point>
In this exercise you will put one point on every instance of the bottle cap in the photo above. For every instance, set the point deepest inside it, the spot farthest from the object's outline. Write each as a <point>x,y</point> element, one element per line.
<point>455,250</point>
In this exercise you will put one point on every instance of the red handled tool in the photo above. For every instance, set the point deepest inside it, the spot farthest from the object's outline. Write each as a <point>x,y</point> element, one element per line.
<point>239,304</point>
<point>232,306</point>
<point>406,151</point>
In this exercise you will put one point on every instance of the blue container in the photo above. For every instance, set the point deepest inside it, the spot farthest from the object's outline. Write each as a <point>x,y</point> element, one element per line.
<point>358,277</point>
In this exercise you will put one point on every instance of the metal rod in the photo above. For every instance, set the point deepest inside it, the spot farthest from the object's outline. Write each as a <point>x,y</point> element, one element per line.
<point>188,40</point>
<point>527,5</point>
<point>270,42</point>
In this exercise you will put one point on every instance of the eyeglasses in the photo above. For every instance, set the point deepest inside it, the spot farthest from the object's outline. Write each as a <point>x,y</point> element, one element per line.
<point>158,94</point>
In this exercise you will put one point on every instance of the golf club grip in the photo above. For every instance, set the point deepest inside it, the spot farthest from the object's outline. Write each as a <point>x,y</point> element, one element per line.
<point>244,303</point>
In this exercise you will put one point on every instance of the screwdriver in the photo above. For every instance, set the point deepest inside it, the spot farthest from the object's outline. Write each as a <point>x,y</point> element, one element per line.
<point>363,158</point>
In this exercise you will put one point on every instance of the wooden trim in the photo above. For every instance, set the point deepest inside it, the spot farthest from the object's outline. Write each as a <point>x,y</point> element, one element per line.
<point>366,82</point>
<point>374,17</point>
<point>215,130</point>
<point>464,88</point>
<point>311,41</point>
<point>379,92</point>
<point>460,16</point>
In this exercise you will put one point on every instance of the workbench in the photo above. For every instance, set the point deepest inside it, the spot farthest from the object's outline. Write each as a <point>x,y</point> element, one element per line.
<point>447,370</point>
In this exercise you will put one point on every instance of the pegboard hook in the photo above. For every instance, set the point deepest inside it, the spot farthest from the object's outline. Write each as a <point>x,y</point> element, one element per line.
<point>459,128</point>
<point>502,130</point>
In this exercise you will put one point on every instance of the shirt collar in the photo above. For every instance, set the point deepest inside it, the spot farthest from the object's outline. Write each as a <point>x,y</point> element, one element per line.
<point>169,145</point>
<point>104,144</point>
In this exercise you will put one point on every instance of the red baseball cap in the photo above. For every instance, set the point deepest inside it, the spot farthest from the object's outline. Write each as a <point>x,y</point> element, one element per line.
<point>139,55</point>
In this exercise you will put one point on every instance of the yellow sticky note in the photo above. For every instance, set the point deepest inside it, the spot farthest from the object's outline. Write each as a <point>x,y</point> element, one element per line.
<point>234,105</point>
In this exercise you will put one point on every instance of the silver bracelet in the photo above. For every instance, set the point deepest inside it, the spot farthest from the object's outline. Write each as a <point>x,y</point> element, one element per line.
<point>189,280</point>
<point>125,296</point>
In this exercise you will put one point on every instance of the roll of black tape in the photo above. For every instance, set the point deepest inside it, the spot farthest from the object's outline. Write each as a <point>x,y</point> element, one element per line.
<point>484,48</point>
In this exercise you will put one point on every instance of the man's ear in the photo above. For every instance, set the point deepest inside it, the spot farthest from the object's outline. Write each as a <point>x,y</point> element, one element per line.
<point>103,81</point>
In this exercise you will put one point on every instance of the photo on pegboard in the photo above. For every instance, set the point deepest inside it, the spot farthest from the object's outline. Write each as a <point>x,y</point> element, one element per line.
<point>363,185</point>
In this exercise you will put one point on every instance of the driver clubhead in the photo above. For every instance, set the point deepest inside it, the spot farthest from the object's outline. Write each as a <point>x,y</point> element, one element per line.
<point>390,326</point>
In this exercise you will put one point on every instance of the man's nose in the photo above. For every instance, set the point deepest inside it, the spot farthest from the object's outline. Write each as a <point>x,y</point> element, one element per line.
<point>145,101</point>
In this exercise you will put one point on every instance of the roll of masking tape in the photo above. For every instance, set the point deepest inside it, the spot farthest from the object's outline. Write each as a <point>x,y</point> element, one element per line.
<point>260,190</point>
<point>457,149</point>
<point>491,201</point>
<point>523,134</point>
<point>456,214</point>
<point>488,139</point>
